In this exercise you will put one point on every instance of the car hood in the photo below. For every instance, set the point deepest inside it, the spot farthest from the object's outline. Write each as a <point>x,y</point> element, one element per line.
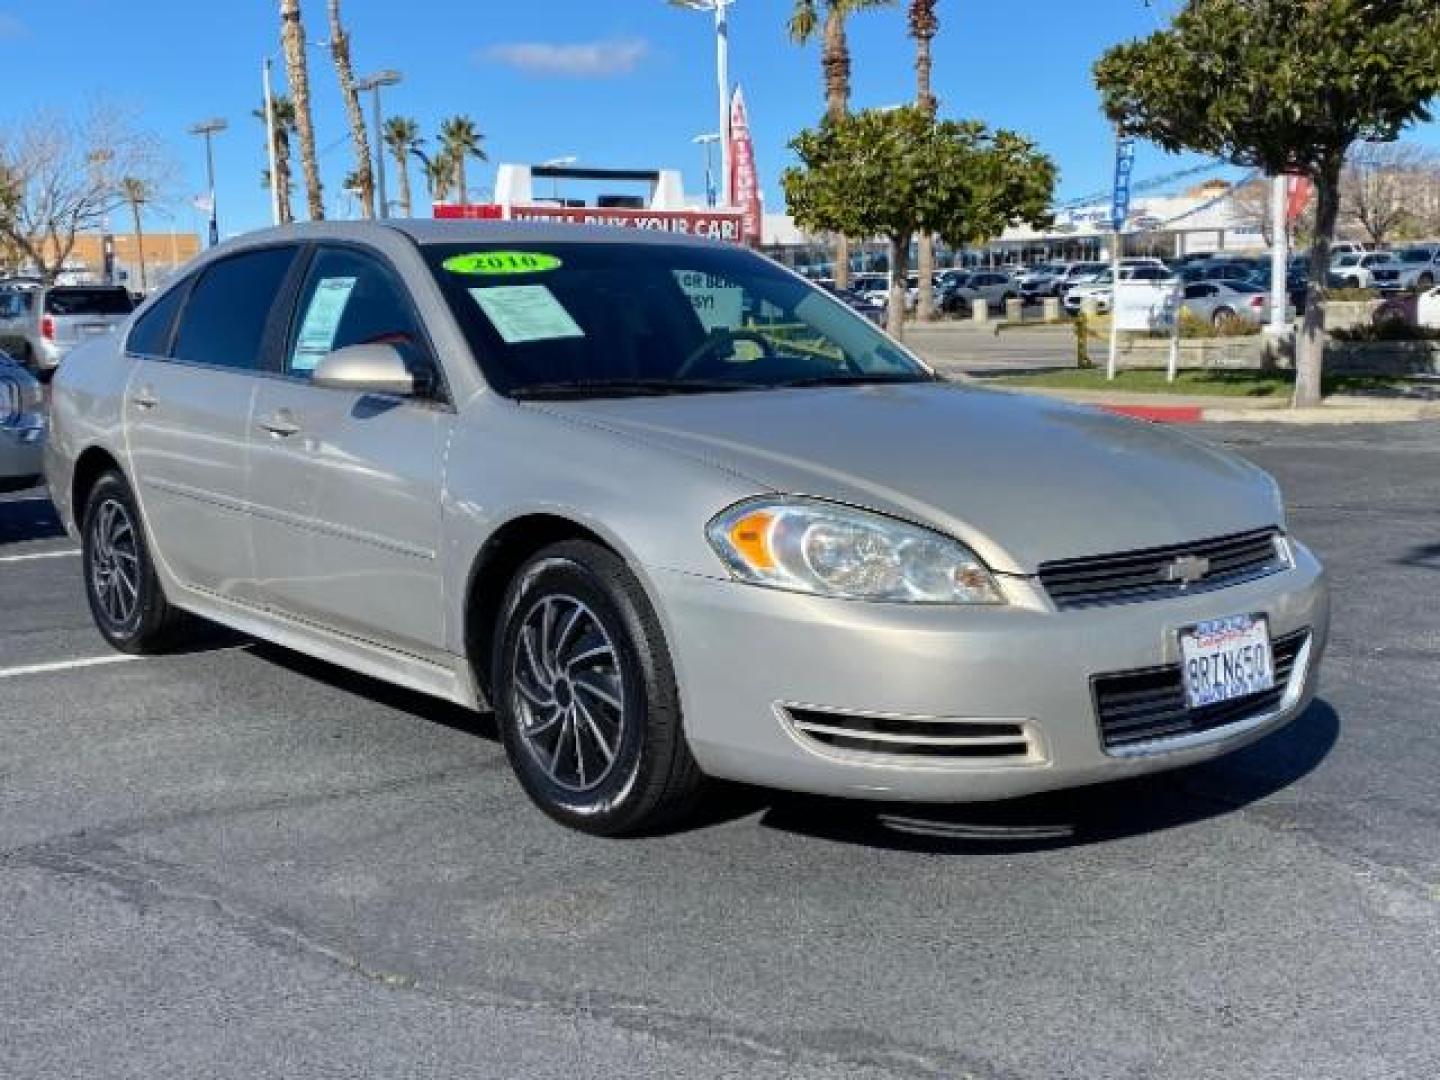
<point>1022,479</point>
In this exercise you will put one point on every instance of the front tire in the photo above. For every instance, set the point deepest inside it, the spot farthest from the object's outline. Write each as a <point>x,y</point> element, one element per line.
<point>126,601</point>
<point>585,695</point>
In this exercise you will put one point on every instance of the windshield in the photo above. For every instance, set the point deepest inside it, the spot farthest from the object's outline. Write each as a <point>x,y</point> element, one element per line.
<point>570,319</point>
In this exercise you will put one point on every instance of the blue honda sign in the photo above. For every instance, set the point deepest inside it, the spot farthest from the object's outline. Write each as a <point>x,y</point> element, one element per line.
<point>1124,164</point>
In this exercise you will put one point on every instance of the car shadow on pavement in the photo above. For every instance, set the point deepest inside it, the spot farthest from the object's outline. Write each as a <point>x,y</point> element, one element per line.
<point>1077,817</point>
<point>413,703</point>
<point>29,516</point>
<point>1425,556</point>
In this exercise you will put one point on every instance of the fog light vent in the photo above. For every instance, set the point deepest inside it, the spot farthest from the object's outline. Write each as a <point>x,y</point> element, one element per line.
<point>910,736</point>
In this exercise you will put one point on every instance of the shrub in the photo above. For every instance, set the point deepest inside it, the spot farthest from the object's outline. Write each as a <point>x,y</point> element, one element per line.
<point>1386,330</point>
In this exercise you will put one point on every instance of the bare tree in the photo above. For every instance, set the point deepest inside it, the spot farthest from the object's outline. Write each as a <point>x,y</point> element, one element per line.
<point>1382,190</point>
<point>60,175</point>
<point>1251,203</point>
<point>359,137</point>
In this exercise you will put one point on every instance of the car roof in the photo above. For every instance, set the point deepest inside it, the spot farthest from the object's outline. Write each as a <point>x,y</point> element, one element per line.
<point>476,231</point>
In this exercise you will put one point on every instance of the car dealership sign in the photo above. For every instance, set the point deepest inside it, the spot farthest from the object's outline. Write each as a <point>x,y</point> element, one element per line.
<point>727,225</point>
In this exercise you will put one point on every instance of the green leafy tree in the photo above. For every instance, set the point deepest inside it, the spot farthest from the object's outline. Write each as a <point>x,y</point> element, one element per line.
<point>899,172</point>
<point>1287,86</point>
<point>805,23</point>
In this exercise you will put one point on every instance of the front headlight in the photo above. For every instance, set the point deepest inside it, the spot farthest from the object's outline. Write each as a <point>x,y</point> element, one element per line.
<point>805,545</point>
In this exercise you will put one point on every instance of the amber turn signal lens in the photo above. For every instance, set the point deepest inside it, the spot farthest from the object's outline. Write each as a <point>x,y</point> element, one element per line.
<point>751,538</point>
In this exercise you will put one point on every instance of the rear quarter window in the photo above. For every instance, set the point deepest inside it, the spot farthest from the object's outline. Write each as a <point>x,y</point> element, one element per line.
<point>79,301</point>
<point>152,331</point>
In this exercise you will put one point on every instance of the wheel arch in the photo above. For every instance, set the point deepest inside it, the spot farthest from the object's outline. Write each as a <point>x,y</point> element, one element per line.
<point>93,463</point>
<point>495,565</point>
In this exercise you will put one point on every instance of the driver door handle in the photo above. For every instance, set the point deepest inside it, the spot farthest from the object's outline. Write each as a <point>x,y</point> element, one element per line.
<point>280,424</point>
<point>145,398</point>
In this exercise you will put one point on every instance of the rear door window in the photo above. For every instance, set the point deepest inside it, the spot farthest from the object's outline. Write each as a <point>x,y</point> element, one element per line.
<point>226,316</point>
<point>81,301</point>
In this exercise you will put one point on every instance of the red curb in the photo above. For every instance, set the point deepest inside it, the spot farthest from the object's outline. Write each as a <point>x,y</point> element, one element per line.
<point>1160,414</point>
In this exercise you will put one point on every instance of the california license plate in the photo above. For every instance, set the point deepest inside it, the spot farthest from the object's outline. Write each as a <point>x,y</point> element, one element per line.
<point>1225,659</point>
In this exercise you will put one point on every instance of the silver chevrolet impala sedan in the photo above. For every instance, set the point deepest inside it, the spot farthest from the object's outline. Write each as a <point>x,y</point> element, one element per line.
<point>672,514</point>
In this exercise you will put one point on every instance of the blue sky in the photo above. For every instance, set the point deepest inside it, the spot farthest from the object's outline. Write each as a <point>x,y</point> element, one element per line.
<point>612,82</point>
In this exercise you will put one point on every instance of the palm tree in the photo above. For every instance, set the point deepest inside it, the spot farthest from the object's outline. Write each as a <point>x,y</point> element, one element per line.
<point>402,137</point>
<point>924,25</point>
<point>136,192</point>
<point>359,137</point>
<point>284,128</point>
<point>292,37</point>
<point>439,173</point>
<point>461,139</point>
<point>805,23</point>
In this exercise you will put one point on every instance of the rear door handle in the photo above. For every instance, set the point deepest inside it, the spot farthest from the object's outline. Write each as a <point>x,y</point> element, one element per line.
<point>145,398</point>
<point>281,424</point>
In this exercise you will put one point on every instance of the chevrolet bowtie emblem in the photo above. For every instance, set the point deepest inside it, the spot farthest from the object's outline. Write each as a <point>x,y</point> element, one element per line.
<point>1187,569</point>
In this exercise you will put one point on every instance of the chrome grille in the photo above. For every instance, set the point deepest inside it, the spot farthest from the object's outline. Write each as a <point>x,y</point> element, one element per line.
<point>1140,706</point>
<point>918,737</point>
<point>1158,573</point>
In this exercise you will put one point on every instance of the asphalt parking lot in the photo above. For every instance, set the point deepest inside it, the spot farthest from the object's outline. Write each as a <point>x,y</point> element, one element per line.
<point>237,862</point>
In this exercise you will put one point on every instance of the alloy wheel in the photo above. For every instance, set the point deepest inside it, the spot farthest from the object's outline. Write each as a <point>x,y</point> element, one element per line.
<point>115,562</point>
<point>568,692</point>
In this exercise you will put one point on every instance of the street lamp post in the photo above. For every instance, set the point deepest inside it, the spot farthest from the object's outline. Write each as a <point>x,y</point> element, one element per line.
<point>708,142</point>
<point>270,149</point>
<point>373,84</point>
<point>720,9</point>
<point>209,129</point>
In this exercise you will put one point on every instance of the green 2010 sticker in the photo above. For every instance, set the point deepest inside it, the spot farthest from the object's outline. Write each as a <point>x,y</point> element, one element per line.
<point>501,262</point>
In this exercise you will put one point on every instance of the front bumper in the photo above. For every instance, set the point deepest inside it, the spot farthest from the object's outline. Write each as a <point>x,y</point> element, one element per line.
<point>746,657</point>
<point>22,448</point>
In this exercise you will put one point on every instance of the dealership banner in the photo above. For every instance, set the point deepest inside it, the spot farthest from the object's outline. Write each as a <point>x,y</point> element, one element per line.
<point>727,225</point>
<point>1298,190</point>
<point>744,178</point>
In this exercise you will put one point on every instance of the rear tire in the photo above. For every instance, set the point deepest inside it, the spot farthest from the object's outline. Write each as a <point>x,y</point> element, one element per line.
<point>585,696</point>
<point>126,600</point>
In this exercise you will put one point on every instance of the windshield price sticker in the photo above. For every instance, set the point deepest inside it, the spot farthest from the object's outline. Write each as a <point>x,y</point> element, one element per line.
<point>524,313</point>
<point>496,263</point>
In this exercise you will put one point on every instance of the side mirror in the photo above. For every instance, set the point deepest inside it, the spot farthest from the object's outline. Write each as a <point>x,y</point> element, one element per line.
<point>365,369</point>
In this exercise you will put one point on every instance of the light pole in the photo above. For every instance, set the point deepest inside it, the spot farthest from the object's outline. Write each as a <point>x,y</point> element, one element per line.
<point>708,142</point>
<point>720,8</point>
<point>270,140</point>
<point>373,83</point>
<point>209,129</point>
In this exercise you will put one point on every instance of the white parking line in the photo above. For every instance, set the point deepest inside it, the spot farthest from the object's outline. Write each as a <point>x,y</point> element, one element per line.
<point>67,554</point>
<point>66,665</point>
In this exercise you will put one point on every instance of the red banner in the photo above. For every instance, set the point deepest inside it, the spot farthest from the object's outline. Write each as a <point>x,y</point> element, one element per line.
<point>710,224</point>
<point>1298,190</point>
<point>744,178</point>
